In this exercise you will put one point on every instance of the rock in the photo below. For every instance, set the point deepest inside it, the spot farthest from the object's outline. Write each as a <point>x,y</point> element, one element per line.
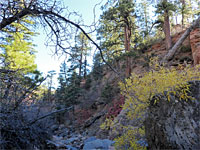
<point>62,126</point>
<point>72,139</point>
<point>195,45</point>
<point>65,132</point>
<point>69,147</point>
<point>90,139</point>
<point>56,144</point>
<point>174,124</point>
<point>120,122</point>
<point>176,29</point>
<point>56,138</point>
<point>98,144</point>
<point>111,148</point>
<point>55,127</point>
<point>142,143</point>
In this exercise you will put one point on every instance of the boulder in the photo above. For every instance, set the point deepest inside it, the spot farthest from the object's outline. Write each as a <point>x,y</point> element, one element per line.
<point>93,143</point>
<point>174,124</point>
<point>92,138</point>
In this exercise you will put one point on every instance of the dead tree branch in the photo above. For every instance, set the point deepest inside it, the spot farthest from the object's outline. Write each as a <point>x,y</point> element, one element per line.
<point>82,30</point>
<point>50,114</point>
<point>56,18</point>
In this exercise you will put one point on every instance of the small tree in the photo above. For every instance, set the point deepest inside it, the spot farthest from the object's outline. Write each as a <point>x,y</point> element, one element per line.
<point>80,53</point>
<point>69,89</point>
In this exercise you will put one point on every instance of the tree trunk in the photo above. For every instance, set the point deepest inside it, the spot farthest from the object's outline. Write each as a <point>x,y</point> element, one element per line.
<point>81,59</point>
<point>168,40</point>
<point>127,43</point>
<point>172,51</point>
<point>182,13</point>
<point>80,65</point>
<point>85,67</point>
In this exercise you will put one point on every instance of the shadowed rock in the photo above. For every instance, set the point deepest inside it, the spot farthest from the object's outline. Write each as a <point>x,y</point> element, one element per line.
<point>175,124</point>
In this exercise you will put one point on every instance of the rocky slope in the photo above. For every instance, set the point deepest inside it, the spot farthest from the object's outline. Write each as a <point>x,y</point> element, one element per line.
<point>87,116</point>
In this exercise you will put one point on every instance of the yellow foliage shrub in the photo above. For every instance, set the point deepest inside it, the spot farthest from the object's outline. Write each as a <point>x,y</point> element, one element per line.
<point>107,124</point>
<point>128,141</point>
<point>140,89</point>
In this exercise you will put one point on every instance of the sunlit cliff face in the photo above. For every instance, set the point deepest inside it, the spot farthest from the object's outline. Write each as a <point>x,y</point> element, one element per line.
<point>195,45</point>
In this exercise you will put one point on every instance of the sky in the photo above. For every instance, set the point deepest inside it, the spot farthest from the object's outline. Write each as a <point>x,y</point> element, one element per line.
<point>44,57</point>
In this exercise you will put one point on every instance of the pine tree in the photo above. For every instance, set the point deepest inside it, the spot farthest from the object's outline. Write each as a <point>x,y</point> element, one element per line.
<point>69,86</point>
<point>80,52</point>
<point>144,16</point>
<point>187,9</point>
<point>117,28</point>
<point>144,22</point>
<point>50,86</point>
<point>165,7</point>
<point>97,69</point>
<point>18,53</point>
<point>18,49</point>
<point>62,79</point>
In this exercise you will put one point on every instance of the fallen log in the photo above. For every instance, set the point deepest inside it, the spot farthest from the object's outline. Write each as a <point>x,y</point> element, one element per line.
<point>173,50</point>
<point>50,114</point>
<point>90,121</point>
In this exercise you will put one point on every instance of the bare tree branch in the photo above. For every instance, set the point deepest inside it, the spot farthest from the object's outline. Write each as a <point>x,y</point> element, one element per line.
<point>17,16</point>
<point>82,30</point>
<point>27,92</point>
<point>50,114</point>
<point>41,12</point>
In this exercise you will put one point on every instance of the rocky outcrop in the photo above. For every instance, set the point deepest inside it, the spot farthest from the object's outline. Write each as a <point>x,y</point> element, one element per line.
<point>175,124</point>
<point>190,48</point>
<point>195,45</point>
